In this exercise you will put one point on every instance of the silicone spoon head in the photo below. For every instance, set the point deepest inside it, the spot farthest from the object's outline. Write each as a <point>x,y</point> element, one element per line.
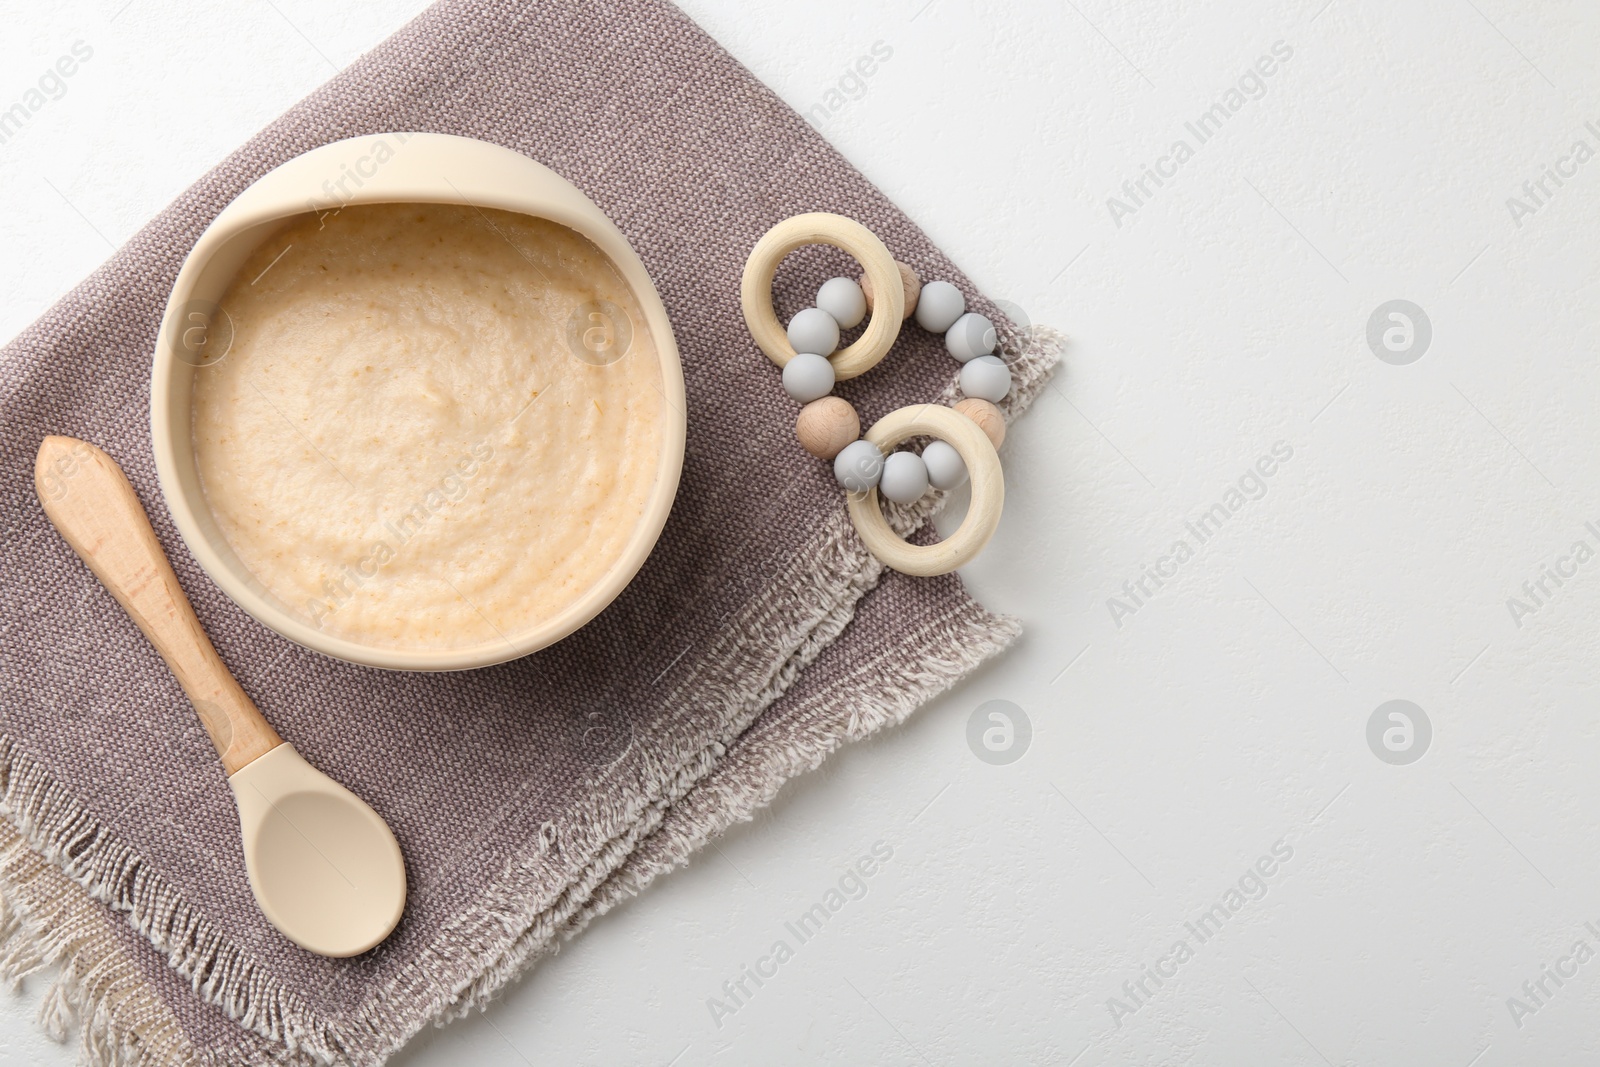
<point>324,867</point>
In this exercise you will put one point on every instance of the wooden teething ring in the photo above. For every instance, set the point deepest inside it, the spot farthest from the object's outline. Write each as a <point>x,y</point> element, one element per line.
<point>848,235</point>
<point>988,491</point>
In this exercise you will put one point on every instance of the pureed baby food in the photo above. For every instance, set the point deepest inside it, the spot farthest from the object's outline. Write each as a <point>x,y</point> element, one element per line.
<point>436,425</point>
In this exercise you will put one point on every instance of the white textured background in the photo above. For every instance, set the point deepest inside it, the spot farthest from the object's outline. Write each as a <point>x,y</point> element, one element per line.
<point>1229,712</point>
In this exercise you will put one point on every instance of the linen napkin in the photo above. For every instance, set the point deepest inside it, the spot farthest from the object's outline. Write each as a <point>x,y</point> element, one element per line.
<point>529,797</point>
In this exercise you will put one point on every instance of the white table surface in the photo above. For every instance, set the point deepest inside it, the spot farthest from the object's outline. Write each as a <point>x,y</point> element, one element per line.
<point>1228,712</point>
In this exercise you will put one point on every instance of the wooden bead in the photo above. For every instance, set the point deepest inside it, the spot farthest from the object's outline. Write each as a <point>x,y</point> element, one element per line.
<point>908,281</point>
<point>825,426</point>
<point>987,416</point>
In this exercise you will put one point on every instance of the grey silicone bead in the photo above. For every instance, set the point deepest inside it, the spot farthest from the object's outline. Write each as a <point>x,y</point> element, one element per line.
<point>987,378</point>
<point>808,377</point>
<point>843,299</point>
<point>946,468</point>
<point>814,330</point>
<point>939,306</point>
<point>858,466</point>
<point>904,479</point>
<point>971,336</point>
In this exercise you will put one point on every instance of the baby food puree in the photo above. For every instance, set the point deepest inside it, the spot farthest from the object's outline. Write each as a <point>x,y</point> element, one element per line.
<point>436,425</point>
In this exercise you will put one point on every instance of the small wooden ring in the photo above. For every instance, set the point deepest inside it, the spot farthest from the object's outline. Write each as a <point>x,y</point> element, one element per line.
<point>983,514</point>
<point>848,235</point>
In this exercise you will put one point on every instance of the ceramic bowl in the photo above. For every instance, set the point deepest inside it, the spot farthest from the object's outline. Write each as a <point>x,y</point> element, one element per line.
<point>385,168</point>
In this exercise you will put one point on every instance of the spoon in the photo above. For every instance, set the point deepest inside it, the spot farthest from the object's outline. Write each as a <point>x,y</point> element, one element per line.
<point>324,866</point>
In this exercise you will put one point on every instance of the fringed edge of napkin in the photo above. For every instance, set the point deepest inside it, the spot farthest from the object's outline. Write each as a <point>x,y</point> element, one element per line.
<point>59,865</point>
<point>51,925</point>
<point>755,770</point>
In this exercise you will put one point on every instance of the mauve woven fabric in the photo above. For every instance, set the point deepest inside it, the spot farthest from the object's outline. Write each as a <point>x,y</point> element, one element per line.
<point>530,796</point>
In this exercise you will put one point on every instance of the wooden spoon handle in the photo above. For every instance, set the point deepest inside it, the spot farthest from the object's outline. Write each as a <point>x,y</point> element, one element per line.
<point>89,499</point>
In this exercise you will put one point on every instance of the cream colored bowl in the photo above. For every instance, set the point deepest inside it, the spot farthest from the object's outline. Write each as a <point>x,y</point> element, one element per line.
<point>374,169</point>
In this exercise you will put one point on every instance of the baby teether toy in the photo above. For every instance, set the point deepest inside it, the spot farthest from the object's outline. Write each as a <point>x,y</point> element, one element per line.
<point>965,436</point>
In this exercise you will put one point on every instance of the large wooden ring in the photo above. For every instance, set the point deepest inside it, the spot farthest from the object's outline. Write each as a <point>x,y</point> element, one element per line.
<point>983,514</point>
<point>822,228</point>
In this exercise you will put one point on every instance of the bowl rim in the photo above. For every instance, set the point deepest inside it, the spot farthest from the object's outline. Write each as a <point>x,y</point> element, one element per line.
<point>418,167</point>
